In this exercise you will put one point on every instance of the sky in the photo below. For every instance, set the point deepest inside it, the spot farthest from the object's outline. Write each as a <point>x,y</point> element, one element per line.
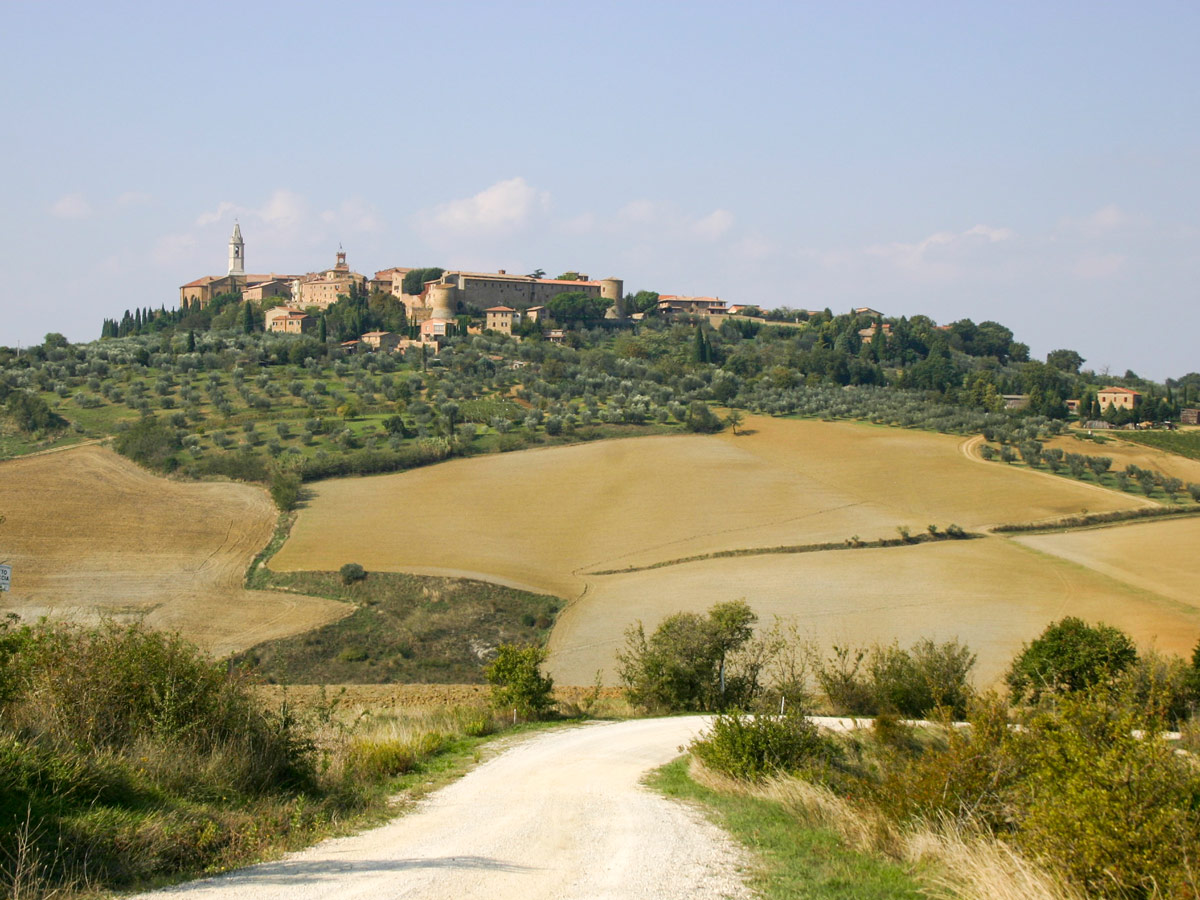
<point>1032,163</point>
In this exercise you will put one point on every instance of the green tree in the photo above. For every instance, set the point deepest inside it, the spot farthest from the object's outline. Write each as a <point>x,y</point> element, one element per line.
<point>576,306</point>
<point>30,413</point>
<point>285,490</point>
<point>352,572</point>
<point>414,279</point>
<point>685,663</point>
<point>1065,360</point>
<point>517,681</point>
<point>1070,655</point>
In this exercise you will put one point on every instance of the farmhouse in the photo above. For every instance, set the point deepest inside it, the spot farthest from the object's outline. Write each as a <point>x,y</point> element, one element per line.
<point>1121,398</point>
<point>380,340</point>
<point>1189,416</point>
<point>502,318</point>
<point>282,320</point>
<point>866,335</point>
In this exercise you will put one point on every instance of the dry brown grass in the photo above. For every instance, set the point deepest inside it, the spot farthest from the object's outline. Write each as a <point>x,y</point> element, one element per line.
<point>966,866</point>
<point>91,535</point>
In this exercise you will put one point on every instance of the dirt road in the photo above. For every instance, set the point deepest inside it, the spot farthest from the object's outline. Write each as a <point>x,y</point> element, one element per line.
<point>559,816</point>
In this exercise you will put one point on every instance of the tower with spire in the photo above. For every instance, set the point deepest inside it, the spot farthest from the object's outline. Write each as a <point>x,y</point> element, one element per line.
<point>237,252</point>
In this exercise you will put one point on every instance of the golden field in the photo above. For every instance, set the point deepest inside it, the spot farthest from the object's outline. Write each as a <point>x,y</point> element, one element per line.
<point>91,535</point>
<point>549,519</point>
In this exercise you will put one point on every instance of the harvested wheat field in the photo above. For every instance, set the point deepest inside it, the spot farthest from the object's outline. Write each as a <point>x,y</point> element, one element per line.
<point>1158,557</point>
<point>91,535</point>
<point>991,593</point>
<point>542,519</point>
<point>549,520</point>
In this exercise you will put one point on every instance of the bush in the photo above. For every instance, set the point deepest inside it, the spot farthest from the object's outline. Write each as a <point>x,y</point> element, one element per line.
<point>1068,656</point>
<point>30,413</point>
<point>150,442</point>
<point>686,663</point>
<point>1105,797</point>
<point>517,682</point>
<point>754,747</point>
<point>351,573</point>
<point>285,490</point>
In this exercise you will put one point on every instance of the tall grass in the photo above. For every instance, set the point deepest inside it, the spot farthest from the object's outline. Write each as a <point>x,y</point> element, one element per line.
<point>127,756</point>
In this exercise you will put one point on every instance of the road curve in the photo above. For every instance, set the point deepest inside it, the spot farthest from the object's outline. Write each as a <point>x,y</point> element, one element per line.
<point>561,815</point>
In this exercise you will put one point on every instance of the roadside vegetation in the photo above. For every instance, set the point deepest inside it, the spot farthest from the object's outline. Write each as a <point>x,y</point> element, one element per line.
<point>1069,788</point>
<point>128,758</point>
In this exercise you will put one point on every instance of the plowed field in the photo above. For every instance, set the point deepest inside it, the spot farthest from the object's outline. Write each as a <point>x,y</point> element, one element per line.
<point>91,535</point>
<point>550,519</point>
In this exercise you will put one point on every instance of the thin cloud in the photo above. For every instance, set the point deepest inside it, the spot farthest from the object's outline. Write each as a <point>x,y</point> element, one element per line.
<point>504,207</point>
<point>71,206</point>
<point>713,226</point>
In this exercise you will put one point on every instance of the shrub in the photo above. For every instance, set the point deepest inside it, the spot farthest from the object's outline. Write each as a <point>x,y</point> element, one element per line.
<point>285,490</point>
<point>517,682</point>
<point>351,573</point>
<point>754,747</point>
<point>1069,655</point>
<point>1105,797</point>
<point>685,663</point>
<point>150,442</point>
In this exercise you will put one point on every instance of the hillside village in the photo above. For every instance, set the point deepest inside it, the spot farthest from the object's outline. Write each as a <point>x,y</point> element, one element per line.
<point>451,302</point>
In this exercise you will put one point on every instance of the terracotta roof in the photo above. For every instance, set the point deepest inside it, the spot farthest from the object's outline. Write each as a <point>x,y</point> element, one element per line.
<point>1116,390</point>
<point>499,309</point>
<point>376,333</point>
<point>200,282</point>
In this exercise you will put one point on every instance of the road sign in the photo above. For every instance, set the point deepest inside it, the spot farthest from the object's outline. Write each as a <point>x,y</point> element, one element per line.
<point>5,577</point>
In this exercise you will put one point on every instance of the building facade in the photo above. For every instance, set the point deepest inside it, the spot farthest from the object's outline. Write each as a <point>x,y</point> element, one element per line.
<point>1121,398</point>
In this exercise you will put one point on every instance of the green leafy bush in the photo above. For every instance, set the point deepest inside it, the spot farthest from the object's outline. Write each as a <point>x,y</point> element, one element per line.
<point>753,747</point>
<point>690,662</point>
<point>352,572</point>
<point>1068,656</point>
<point>517,681</point>
<point>285,490</point>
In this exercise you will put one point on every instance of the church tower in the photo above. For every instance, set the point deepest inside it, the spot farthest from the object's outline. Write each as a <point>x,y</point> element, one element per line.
<point>237,252</point>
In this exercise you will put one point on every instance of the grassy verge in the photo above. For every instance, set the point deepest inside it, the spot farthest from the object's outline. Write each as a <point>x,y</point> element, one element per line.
<point>794,860</point>
<point>853,543</point>
<point>406,628</point>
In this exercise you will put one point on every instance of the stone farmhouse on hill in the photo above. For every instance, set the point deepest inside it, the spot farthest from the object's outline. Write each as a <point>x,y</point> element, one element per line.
<point>1121,398</point>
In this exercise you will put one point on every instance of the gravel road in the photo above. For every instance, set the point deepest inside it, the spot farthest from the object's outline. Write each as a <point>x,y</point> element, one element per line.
<point>561,815</point>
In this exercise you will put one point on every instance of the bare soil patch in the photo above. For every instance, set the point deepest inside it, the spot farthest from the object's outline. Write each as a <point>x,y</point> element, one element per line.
<point>91,535</point>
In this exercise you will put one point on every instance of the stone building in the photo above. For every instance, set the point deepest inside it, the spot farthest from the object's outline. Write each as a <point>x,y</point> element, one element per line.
<point>283,320</point>
<point>480,290</point>
<point>235,281</point>
<point>322,289</point>
<point>1121,398</point>
<point>502,318</point>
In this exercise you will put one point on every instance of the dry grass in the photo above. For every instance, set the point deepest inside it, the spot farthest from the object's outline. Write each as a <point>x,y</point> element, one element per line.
<point>970,867</point>
<point>90,535</point>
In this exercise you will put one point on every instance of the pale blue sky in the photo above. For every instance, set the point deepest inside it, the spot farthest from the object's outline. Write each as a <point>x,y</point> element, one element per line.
<point>1032,163</point>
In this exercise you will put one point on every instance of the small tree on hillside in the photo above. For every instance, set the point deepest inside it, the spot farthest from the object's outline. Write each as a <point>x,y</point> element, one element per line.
<point>517,681</point>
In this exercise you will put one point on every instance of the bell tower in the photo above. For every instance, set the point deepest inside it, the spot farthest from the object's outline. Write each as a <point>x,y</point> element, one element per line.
<point>237,252</point>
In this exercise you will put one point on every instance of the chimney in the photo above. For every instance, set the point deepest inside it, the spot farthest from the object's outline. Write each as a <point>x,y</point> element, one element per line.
<point>502,272</point>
